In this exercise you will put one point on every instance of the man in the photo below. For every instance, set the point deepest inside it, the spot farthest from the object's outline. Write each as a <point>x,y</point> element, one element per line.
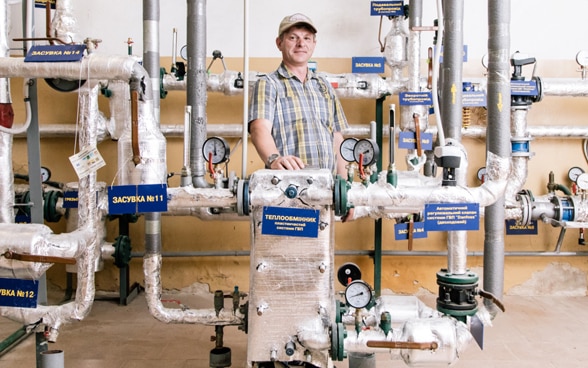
<point>295,118</point>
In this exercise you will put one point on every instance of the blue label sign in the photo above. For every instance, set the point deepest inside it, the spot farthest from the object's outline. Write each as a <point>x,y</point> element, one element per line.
<point>524,88</point>
<point>512,228</point>
<point>418,231</point>
<point>70,199</point>
<point>54,53</point>
<point>407,140</point>
<point>43,3</point>
<point>387,8</point>
<point>22,218</point>
<point>367,64</point>
<point>290,222</point>
<point>130,199</point>
<point>18,293</point>
<point>452,216</point>
<point>415,98</point>
<point>474,99</point>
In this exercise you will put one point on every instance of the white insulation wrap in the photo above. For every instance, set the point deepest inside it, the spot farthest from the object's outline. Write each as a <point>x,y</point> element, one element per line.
<point>292,297</point>
<point>153,289</point>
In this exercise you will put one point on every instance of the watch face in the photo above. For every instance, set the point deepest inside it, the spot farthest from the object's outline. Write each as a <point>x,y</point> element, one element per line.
<point>346,149</point>
<point>215,150</point>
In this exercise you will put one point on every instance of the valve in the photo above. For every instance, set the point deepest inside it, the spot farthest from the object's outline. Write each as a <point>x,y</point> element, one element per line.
<point>449,158</point>
<point>524,93</point>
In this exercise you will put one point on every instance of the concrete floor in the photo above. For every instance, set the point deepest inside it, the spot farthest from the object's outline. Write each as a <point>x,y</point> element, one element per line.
<point>537,332</point>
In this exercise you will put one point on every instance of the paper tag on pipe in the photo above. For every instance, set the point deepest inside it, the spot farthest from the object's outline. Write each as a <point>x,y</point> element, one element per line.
<point>86,161</point>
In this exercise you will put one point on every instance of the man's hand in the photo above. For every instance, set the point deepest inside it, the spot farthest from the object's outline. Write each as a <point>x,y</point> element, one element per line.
<point>287,163</point>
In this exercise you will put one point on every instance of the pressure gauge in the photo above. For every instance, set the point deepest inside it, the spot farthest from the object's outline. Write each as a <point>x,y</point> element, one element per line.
<point>574,172</point>
<point>481,173</point>
<point>369,149</point>
<point>45,174</point>
<point>346,149</point>
<point>582,58</point>
<point>215,150</point>
<point>184,52</point>
<point>582,181</point>
<point>358,294</point>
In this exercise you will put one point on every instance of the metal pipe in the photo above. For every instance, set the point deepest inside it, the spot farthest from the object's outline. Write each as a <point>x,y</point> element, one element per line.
<point>196,94</point>
<point>151,48</point>
<point>497,138</point>
<point>245,135</point>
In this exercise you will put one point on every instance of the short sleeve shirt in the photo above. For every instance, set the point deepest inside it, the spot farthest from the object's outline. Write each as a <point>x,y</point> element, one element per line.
<point>304,115</point>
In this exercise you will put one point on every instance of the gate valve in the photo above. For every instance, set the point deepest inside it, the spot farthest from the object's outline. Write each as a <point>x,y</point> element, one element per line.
<point>524,94</point>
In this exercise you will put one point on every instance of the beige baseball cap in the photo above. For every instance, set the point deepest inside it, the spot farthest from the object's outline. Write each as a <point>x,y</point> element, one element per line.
<point>295,19</point>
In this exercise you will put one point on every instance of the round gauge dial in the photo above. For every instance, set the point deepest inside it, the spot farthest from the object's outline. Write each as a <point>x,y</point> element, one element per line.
<point>574,172</point>
<point>184,52</point>
<point>582,58</point>
<point>346,149</point>
<point>369,150</point>
<point>358,294</point>
<point>582,181</point>
<point>216,150</point>
<point>481,173</point>
<point>45,174</point>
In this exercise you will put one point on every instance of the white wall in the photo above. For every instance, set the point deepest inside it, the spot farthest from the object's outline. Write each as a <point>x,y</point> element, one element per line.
<point>345,27</point>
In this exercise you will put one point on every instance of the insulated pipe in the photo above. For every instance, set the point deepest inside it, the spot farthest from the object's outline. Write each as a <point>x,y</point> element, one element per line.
<point>151,48</point>
<point>451,112</point>
<point>196,93</point>
<point>64,24</point>
<point>414,43</point>
<point>497,141</point>
<point>6,178</point>
<point>83,244</point>
<point>520,165</point>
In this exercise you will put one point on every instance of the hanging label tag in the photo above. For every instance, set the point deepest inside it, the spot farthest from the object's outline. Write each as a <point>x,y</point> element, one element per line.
<point>86,161</point>
<point>407,140</point>
<point>401,231</point>
<point>387,8</point>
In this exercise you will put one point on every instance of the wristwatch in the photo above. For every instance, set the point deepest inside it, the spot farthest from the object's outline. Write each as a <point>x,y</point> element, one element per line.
<point>270,160</point>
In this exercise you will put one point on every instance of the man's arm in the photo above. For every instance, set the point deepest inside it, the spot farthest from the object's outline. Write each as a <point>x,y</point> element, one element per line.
<point>260,131</point>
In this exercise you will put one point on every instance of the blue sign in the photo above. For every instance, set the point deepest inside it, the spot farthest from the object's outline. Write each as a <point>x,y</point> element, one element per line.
<point>387,8</point>
<point>285,221</point>
<point>418,231</point>
<point>452,216</point>
<point>43,3</point>
<point>523,88</point>
<point>70,199</point>
<point>415,98</point>
<point>130,199</point>
<point>407,140</point>
<point>367,64</point>
<point>18,293</point>
<point>22,218</point>
<point>512,228</point>
<point>474,99</point>
<point>55,53</point>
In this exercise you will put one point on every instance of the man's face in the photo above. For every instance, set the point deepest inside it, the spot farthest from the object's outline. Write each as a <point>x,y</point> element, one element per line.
<point>297,45</point>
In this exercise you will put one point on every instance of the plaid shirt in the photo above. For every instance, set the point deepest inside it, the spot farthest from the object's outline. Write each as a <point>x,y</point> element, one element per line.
<point>304,115</point>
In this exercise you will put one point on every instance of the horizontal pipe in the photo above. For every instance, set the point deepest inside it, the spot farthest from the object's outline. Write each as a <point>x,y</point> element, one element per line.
<point>67,130</point>
<point>246,253</point>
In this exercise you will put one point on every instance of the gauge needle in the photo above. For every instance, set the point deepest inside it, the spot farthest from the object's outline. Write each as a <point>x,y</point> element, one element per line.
<point>357,294</point>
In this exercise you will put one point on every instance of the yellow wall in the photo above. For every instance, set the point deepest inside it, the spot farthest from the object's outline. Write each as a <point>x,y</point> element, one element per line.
<point>401,274</point>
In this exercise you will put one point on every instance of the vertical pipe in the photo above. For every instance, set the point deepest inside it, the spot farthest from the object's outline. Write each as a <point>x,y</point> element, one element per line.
<point>245,87</point>
<point>497,139</point>
<point>196,82</point>
<point>451,105</point>
<point>451,89</point>
<point>151,49</point>
<point>6,177</point>
<point>414,45</point>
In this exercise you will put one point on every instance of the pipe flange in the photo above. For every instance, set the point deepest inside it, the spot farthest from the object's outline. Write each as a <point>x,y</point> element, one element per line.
<point>243,201</point>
